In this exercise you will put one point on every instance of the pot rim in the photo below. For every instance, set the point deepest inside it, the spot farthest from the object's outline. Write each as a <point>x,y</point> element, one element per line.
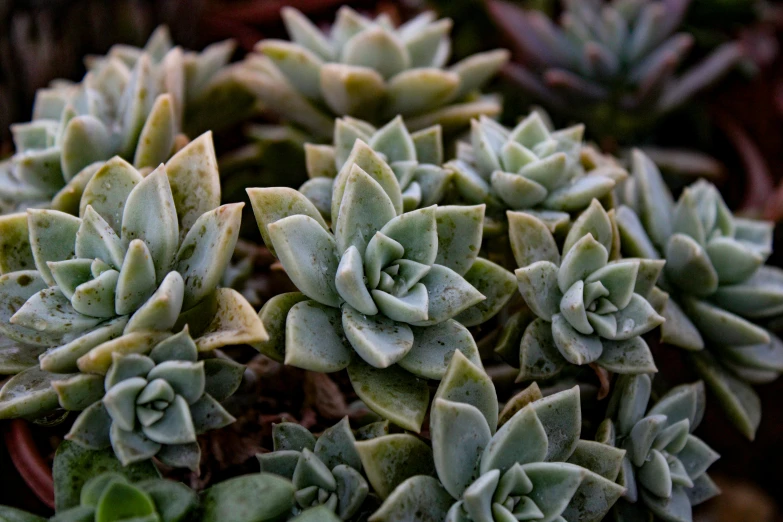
<point>29,462</point>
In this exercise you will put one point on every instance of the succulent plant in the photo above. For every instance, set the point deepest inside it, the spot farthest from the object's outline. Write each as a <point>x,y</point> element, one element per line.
<point>111,496</point>
<point>326,471</point>
<point>145,258</point>
<point>415,159</point>
<point>131,103</point>
<point>371,70</point>
<point>531,167</point>
<point>588,305</point>
<point>665,467</point>
<point>532,467</point>
<point>154,405</point>
<point>611,64</point>
<point>385,293</point>
<point>718,284</point>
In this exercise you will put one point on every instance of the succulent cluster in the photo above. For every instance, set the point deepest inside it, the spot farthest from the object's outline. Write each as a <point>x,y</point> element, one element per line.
<point>719,288</point>
<point>588,305</point>
<point>154,405</point>
<point>369,69</point>
<point>131,103</point>
<point>111,496</point>
<point>415,158</point>
<point>613,65</point>
<point>532,167</point>
<point>325,472</point>
<point>144,259</point>
<point>664,469</point>
<point>116,248</point>
<point>532,467</point>
<point>382,291</point>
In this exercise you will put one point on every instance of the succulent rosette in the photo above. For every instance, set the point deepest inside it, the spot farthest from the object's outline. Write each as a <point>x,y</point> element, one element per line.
<point>130,103</point>
<point>720,289</point>
<point>665,466</point>
<point>532,168</point>
<point>532,466</point>
<point>111,496</point>
<point>415,158</point>
<point>325,472</point>
<point>613,65</point>
<point>154,405</point>
<point>369,69</point>
<point>386,294</point>
<point>587,305</point>
<point>144,259</point>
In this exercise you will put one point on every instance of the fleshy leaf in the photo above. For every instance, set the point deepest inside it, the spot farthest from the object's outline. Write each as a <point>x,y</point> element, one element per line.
<point>310,256</point>
<point>393,393</point>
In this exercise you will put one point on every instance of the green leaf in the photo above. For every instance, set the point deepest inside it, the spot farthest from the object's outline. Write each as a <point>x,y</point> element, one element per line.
<point>538,285</point>
<point>16,357</point>
<point>560,415</point>
<point>376,49</point>
<point>593,499</point>
<point>504,450</point>
<point>392,392</point>
<point>85,140</point>
<point>352,90</point>
<point>314,338</point>
<point>390,460</point>
<point>78,392</point>
<point>161,310</point>
<point>174,501</point>
<point>378,340</point>
<point>75,465</point>
<point>310,256</point>
<point>467,382</point>
<point>157,136</point>
<point>195,183</point>
<point>255,497</point>
<point>150,215</point>
<point>273,316</point>
<point>16,289</point>
<point>299,65</point>
<point>350,282</point>
<point>364,210</point>
<point>531,240</point>
<point>689,267</point>
<point>722,327</point>
<point>15,251</point>
<point>554,484</point>
<point>629,356</point>
<point>29,394</point>
<point>539,356</point>
<point>415,91</point>
<point>577,348</point>
<point>579,193</point>
<point>516,191</point>
<point>449,294</point>
<point>739,401</point>
<point>206,251</point>
<point>496,284</point>
<point>418,498</point>
<point>273,204</point>
<point>434,345</point>
<point>678,328</point>
<point>586,256</point>
<point>137,280</point>
<point>417,232</point>
<point>52,238</point>
<point>459,236</point>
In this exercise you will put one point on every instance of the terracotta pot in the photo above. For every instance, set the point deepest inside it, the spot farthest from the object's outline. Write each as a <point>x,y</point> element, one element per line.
<point>29,462</point>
